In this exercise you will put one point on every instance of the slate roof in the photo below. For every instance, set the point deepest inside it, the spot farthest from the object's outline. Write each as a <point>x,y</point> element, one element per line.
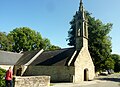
<point>54,58</point>
<point>27,56</point>
<point>9,58</point>
<point>48,58</point>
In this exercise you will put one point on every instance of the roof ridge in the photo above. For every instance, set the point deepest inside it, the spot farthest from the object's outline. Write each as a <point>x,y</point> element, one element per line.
<point>9,52</point>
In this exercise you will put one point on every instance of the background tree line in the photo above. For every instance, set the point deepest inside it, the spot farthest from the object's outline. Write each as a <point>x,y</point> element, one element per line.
<point>24,39</point>
<point>99,43</point>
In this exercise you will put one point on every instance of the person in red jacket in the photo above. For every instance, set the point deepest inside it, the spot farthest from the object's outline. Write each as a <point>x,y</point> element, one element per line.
<point>8,77</point>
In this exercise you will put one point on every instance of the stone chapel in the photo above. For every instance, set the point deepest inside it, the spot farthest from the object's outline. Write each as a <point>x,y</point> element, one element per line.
<point>64,65</point>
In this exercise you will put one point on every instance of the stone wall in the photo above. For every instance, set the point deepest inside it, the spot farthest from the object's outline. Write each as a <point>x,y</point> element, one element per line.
<point>32,81</point>
<point>56,73</point>
<point>83,62</point>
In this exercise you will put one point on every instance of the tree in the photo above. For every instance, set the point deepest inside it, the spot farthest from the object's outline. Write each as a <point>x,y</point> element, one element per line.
<point>99,42</point>
<point>71,32</point>
<point>53,47</point>
<point>116,59</point>
<point>2,76</point>
<point>48,45</point>
<point>25,39</point>
<point>5,42</point>
<point>109,64</point>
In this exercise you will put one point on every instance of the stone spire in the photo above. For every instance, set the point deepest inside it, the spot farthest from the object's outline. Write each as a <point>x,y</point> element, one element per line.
<point>81,28</point>
<point>81,10</point>
<point>81,6</point>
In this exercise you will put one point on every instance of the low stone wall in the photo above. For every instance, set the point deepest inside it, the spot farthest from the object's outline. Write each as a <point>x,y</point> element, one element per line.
<point>32,81</point>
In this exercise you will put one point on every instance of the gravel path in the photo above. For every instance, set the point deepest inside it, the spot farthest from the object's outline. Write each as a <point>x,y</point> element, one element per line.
<point>101,81</point>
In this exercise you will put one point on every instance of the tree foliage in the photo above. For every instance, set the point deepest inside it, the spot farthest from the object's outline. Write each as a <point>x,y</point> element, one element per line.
<point>71,32</point>
<point>24,39</point>
<point>5,42</point>
<point>2,77</point>
<point>109,64</point>
<point>99,42</point>
<point>48,45</point>
<point>116,59</point>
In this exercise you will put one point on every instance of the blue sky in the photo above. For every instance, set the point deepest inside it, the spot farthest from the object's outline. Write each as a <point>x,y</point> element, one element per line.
<point>51,17</point>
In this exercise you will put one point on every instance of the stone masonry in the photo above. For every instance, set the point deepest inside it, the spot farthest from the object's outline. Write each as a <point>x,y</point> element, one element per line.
<point>32,81</point>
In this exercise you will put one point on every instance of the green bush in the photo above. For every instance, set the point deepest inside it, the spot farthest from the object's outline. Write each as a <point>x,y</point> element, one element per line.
<point>2,77</point>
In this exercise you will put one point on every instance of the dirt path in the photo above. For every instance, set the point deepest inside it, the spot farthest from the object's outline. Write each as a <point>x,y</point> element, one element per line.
<point>101,81</point>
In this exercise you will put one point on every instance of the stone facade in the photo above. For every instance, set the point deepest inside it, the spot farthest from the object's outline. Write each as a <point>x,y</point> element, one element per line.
<point>84,67</point>
<point>57,73</point>
<point>32,81</point>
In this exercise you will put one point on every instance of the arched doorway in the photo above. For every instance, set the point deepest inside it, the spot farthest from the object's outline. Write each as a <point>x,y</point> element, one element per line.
<point>86,76</point>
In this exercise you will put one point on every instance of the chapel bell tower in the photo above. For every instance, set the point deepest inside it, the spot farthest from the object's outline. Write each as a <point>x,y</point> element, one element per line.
<point>81,36</point>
